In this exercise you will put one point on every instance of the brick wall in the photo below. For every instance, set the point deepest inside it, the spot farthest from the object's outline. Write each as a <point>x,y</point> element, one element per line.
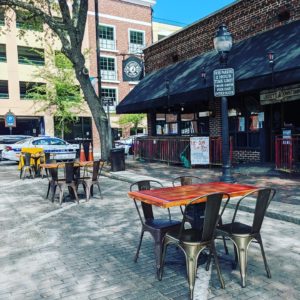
<point>244,18</point>
<point>245,156</point>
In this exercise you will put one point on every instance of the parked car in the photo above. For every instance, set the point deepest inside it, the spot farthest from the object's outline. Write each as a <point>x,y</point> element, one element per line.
<point>127,143</point>
<point>10,139</point>
<point>58,148</point>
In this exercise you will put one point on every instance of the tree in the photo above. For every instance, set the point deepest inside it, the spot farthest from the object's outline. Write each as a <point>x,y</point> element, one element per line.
<point>60,94</point>
<point>132,119</point>
<point>67,20</point>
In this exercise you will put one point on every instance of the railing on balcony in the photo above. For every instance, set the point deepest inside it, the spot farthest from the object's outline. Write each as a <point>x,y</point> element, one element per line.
<point>106,44</point>
<point>287,153</point>
<point>174,149</point>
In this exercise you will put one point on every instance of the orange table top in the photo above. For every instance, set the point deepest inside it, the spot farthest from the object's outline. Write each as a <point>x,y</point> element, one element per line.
<point>181,195</point>
<point>61,164</point>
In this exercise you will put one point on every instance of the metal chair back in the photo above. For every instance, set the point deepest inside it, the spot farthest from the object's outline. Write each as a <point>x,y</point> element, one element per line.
<point>96,169</point>
<point>27,158</point>
<point>186,180</point>
<point>69,172</point>
<point>211,214</point>
<point>262,198</point>
<point>146,208</point>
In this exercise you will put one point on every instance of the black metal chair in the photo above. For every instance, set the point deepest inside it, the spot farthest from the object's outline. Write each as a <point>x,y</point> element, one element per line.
<point>243,233</point>
<point>156,227</point>
<point>27,167</point>
<point>192,241</point>
<point>93,179</point>
<point>195,215</point>
<point>62,182</point>
<point>45,159</point>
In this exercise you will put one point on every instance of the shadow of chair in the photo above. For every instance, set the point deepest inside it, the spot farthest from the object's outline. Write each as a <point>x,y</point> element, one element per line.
<point>156,227</point>
<point>243,233</point>
<point>192,241</point>
<point>67,180</point>
<point>27,166</point>
<point>92,179</point>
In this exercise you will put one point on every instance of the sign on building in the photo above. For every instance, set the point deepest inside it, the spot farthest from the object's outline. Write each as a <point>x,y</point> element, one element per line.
<point>108,101</point>
<point>133,69</point>
<point>199,150</point>
<point>283,94</point>
<point>224,82</point>
<point>10,119</point>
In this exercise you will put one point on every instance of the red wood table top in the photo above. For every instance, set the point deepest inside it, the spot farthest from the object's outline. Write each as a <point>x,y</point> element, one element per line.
<point>62,165</point>
<point>181,195</point>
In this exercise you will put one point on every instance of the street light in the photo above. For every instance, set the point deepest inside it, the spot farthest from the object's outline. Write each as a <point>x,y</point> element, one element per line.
<point>223,44</point>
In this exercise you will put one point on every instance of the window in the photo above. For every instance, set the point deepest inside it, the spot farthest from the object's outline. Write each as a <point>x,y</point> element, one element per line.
<point>27,21</point>
<point>31,56</point>
<point>245,130</point>
<point>4,89</point>
<point>189,124</point>
<point>166,124</point>
<point>41,142</point>
<point>136,41</point>
<point>108,68</point>
<point>2,17</point>
<point>56,142</point>
<point>160,37</point>
<point>111,94</point>
<point>107,37</point>
<point>2,53</point>
<point>26,88</point>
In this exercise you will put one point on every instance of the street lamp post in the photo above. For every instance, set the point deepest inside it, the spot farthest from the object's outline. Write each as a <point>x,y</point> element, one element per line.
<point>223,44</point>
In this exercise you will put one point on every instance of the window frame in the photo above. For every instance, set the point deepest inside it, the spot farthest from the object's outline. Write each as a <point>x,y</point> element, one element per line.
<point>109,75</point>
<point>31,83</point>
<point>4,95</point>
<point>116,101</point>
<point>113,42</point>
<point>135,48</point>
<point>28,61</point>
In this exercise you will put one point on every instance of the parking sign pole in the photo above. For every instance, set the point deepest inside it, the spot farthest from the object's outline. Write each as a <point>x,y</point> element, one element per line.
<point>226,165</point>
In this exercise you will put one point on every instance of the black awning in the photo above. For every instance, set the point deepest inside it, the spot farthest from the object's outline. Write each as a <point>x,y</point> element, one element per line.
<point>248,58</point>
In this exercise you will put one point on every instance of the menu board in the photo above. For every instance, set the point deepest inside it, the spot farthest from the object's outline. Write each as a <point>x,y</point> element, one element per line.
<point>199,150</point>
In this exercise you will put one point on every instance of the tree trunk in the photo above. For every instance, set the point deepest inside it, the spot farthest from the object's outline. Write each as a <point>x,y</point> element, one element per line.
<point>98,113</point>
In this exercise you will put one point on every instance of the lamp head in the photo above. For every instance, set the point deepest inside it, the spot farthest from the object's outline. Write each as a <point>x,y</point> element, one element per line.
<point>223,42</point>
<point>271,57</point>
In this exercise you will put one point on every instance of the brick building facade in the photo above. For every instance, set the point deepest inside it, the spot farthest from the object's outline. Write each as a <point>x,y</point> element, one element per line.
<point>175,66</point>
<point>125,29</point>
<point>243,18</point>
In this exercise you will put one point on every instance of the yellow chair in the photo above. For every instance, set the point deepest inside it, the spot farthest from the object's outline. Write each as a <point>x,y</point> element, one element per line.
<point>36,154</point>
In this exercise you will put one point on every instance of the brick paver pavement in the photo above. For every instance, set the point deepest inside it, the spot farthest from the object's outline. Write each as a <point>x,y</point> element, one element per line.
<point>86,251</point>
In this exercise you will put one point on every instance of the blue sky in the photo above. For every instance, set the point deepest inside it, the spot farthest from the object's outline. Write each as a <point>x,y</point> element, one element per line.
<point>185,12</point>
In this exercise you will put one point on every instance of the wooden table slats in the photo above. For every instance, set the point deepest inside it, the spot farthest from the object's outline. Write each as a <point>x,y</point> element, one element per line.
<point>181,195</point>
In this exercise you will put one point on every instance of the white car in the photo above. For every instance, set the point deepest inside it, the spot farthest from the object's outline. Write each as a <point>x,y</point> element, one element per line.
<point>127,143</point>
<point>58,148</point>
<point>10,139</point>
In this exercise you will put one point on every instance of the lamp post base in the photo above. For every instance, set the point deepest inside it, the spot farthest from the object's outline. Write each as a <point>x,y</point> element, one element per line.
<point>226,175</point>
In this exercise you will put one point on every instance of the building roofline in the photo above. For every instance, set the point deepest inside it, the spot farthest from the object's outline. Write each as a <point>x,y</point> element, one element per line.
<point>196,22</point>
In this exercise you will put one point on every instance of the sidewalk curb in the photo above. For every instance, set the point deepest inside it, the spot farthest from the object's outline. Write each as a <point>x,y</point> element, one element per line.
<point>270,213</point>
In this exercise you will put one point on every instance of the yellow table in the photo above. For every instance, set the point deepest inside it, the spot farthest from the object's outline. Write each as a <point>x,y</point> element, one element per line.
<point>36,154</point>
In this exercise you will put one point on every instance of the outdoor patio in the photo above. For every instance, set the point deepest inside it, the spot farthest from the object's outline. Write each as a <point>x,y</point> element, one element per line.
<point>86,250</point>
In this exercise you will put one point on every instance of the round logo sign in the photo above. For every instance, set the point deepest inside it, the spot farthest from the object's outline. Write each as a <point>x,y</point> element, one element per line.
<point>132,69</point>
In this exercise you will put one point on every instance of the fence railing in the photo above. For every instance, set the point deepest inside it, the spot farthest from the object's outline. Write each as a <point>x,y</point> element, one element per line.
<point>287,153</point>
<point>174,149</point>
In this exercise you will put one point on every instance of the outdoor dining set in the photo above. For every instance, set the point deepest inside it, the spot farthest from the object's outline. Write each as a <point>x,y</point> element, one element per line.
<point>61,175</point>
<point>202,206</point>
